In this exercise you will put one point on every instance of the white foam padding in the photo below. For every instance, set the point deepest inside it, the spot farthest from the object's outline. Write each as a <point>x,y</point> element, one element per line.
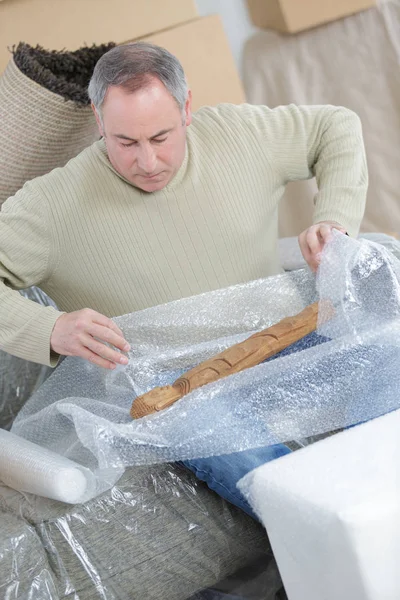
<point>28,467</point>
<point>332,513</point>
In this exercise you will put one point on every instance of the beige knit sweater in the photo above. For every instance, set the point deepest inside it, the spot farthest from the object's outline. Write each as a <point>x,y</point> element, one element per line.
<point>88,238</point>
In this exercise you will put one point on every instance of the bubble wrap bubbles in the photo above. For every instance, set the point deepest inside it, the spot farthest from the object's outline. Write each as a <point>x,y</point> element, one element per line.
<point>19,378</point>
<point>361,280</point>
<point>351,375</point>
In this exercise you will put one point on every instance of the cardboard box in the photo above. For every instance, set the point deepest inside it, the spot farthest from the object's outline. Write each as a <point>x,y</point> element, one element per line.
<point>204,52</point>
<point>58,24</point>
<point>291,16</point>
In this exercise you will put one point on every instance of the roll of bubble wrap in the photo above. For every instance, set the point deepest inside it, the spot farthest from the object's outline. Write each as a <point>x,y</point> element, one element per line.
<point>28,467</point>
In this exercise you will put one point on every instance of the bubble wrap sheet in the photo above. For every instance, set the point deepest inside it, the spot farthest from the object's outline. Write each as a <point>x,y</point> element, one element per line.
<point>19,378</point>
<point>82,411</point>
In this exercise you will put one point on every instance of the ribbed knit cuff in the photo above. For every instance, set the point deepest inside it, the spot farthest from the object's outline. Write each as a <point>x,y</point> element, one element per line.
<point>44,325</point>
<point>350,225</point>
<point>32,340</point>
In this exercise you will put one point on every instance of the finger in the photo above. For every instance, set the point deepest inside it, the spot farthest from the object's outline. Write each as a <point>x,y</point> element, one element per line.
<point>313,240</point>
<point>326,233</point>
<point>316,258</point>
<point>306,252</point>
<point>96,359</point>
<point>339,228</point>
<point>106,322</point>
<point>109,335</point>
<point>314,262</point>
<point>103,351</point>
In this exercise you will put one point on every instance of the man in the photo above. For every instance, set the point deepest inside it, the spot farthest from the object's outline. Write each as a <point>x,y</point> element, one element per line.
<point>168,204</point>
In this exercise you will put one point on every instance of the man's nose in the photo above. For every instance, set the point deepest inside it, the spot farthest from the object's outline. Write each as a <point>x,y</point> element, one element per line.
<point>147,159</point>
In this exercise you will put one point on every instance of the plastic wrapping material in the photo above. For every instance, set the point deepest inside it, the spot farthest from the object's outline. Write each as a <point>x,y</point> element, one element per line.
<point>291,258</point>
<point>82,412</point>
<point>362,281</point>
<point>24,569</point>
<point>158,534</point>
<point>332,514</point>
<point>30,468</point>
<point>19,378</point>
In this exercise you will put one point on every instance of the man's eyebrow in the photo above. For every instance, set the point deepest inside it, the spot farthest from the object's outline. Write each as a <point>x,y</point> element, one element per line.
<point>121,136</point>
<point>160,133</point>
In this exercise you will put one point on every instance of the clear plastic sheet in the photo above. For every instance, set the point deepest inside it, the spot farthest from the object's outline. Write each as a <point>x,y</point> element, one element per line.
<point>291,258</point>
<point>23,562</point>
<point>82,412</point>
<point>158,534</point>
<point>20,378</point>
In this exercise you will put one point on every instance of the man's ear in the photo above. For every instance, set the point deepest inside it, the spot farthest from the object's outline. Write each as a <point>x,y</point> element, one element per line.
<point>98,119</point>
<point>188,109</point>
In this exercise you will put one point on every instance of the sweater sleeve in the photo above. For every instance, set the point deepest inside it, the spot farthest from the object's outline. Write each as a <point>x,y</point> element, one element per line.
<point>25,326</point>
<point>325,142</point>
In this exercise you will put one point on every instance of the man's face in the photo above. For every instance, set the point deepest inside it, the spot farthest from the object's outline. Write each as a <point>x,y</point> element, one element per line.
<point>145,134</point>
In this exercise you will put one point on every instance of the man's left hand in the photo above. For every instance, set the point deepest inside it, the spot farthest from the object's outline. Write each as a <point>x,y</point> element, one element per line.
<point>313,240</point>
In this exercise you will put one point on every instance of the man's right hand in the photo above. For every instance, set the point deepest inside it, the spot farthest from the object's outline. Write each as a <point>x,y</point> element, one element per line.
<point>85,333</point>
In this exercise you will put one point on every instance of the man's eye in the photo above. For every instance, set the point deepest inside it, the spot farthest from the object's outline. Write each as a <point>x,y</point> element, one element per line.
<point>159,141</point>
<point>128,145</point>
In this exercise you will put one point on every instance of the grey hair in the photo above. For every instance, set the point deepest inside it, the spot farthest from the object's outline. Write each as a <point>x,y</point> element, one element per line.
<point>132,66</point>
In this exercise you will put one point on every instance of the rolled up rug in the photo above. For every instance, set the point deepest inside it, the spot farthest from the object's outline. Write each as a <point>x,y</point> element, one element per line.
<point>45,114</point>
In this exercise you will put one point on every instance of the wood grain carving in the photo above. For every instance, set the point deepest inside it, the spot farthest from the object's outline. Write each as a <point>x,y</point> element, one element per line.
<point>248,353</point>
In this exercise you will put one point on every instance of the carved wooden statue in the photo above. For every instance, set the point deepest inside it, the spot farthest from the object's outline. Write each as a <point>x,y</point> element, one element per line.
<point>248,353</point>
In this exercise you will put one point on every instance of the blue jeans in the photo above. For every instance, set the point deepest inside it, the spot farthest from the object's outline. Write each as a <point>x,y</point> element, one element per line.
<point>221,473</point>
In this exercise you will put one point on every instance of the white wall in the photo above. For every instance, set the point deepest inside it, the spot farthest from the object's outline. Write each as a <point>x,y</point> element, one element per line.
<point>236,21</point>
